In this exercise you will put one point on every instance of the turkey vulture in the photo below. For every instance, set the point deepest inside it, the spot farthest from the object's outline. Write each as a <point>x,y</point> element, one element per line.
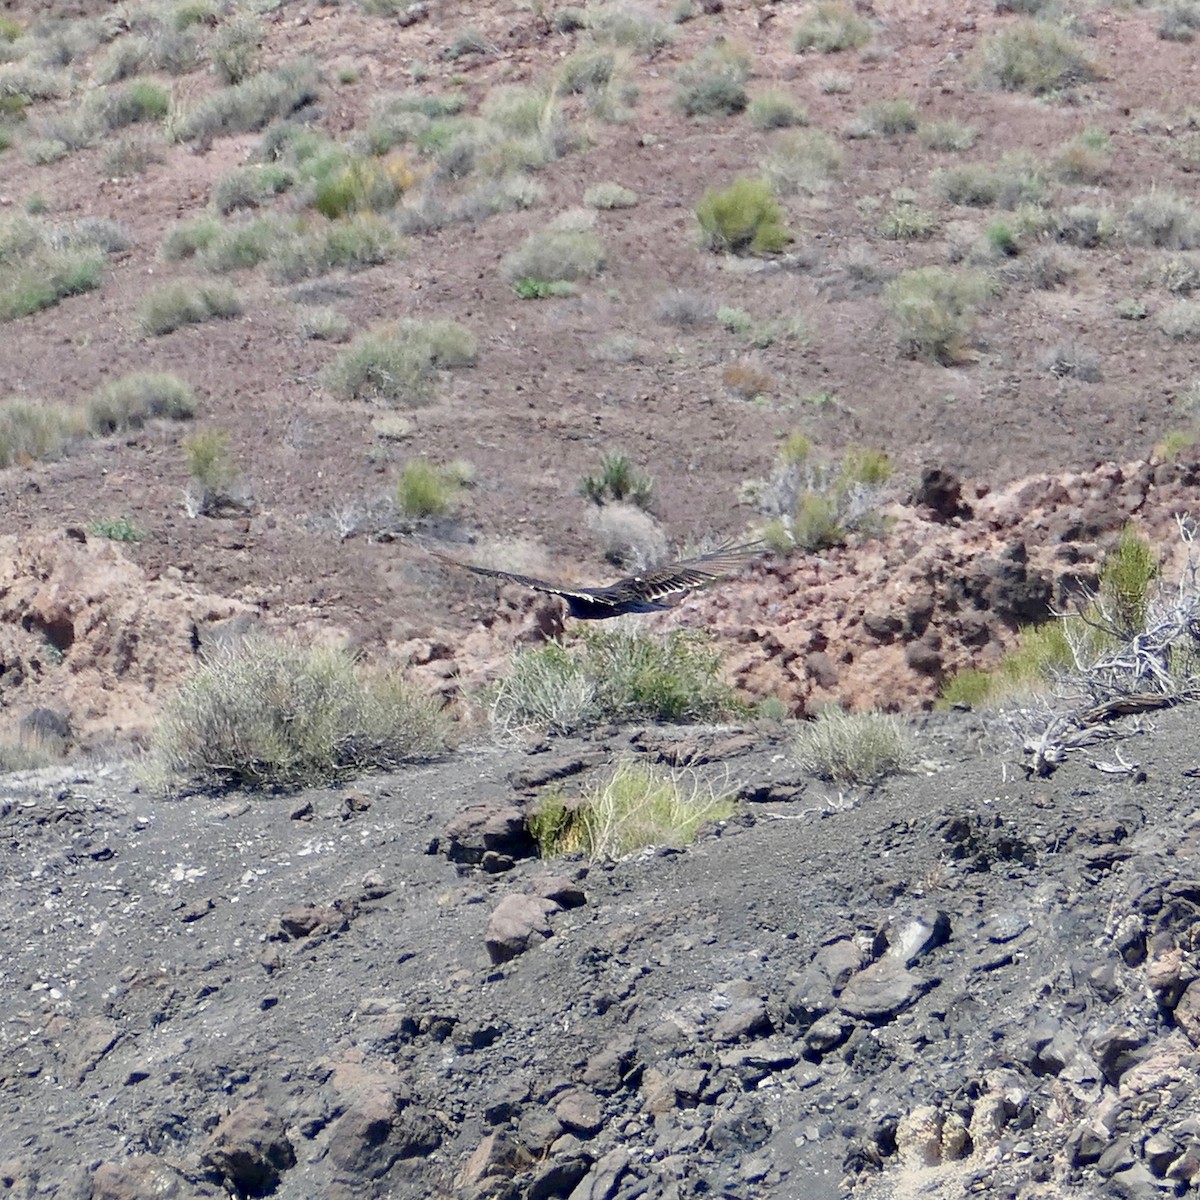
<point>648,592</point>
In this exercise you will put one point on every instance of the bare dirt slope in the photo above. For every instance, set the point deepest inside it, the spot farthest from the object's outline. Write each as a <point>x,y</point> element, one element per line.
<point>960,983</point>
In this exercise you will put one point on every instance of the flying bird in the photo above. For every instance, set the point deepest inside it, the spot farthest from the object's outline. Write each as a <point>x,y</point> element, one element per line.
<point>652,591</point>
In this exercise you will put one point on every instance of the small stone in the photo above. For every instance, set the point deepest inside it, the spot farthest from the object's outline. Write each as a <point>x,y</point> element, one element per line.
<point>580,1111</point>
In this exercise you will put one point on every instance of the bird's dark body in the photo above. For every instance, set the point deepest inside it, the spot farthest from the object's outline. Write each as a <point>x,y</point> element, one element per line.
<point>647,593</point>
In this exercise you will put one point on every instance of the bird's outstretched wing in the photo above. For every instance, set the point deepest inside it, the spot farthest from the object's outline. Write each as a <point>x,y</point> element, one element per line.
<point>635,593</point>
<point>688,573</point>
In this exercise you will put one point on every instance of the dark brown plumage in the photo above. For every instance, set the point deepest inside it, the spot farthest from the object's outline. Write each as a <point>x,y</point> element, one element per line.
<point>651,591</point>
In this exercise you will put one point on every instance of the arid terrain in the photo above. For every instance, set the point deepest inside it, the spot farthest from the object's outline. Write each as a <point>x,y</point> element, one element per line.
<point>958,981</point>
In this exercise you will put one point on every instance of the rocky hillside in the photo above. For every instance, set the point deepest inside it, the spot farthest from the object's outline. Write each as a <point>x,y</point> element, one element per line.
<point>960,983</point>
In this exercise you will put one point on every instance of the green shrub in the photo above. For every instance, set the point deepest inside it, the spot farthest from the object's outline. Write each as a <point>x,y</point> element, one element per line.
<point>362,185</point>
<point>209,461</point>
<point>555,255</point>
<point>611,675</point>
<point>134,399</point>
<point>30,431</point>
<point>426,490</point>
<point>1126,577</point>
<point>1033,56</point>
<point>713,83</point>
<point>830,27</point>
<point>173,305</point>
<point>774,109</point>
<point>539,289</point>
<point>258,713</point>
<point>638,805</point>
<point>813,502</point>
<point>933,311</point>
<point>948,136</point>
<point>618,480</point>
<point>118,529</point>
<point>854,748</point>
<point>397,363</point>
<point>744,218</point>
<point>803,162</point>
<point>519,111</point>
<point>610,195</point>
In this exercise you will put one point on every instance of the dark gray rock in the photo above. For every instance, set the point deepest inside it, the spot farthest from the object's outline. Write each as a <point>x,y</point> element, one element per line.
<point>249,1150</point>
<point>882,990</point>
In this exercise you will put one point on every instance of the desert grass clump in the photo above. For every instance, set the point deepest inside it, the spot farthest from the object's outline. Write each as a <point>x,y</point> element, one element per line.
<point>31,431</point>
<point>814,502</point>
<point>684,308</point>
<point>427,490</point>
<point>628,536</point>
<point>322,323</point>
<point>774,109</point>
<point>612,675</point>
<point>234,48</point>
<point>854,748</point>
<point>1083,226</point>
<point>131,155</point>
<point>933,311</point>
<point>251,186</point>
<point>949,136</point>
<point>636,806</point>
<point>560,253</point>
<point>398,363</point>
<point>141,101</point>
<point>361,185</point>
<point>1178,20</point>
<point>1181,321</point>
<point>250,105</point>
<point>1034,56</point>
<point>140,396</point>
<point>744,218</point>
<point>171,306</point>
<point>886,119</point>
<point>908,223</point>
<point>40,266</point>
<point>1163,219</point>
<point>265,714</point>
<point>803,162</point>
<point>610,195</point>
<point>185,239</point>
<point>830,27</point>
<point>243,244</point>
<point>713,83</point>
<point>618,480</point>
<point>1085,159</point>
<point>1013,181</point>
<point>353,243</point>
<point>624,25</point>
